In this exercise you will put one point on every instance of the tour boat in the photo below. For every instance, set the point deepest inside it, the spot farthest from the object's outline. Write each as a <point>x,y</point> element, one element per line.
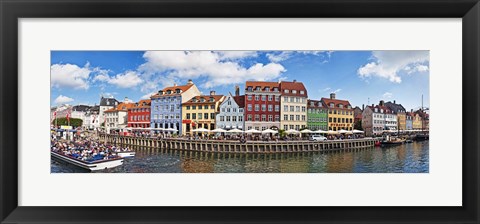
<point>126,154</point>
<point>89,165</point>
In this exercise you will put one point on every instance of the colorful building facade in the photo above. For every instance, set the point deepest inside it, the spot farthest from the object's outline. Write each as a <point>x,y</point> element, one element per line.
<point>139,114</point>
<point>231,112</point>
<point>262,105</point>
<point>166,106</point>
<point>317,115</point>
<point>293,103</point>
<point>340,113</point>
<point>117,118</point>
<point>400,111</point>
<point>200,112</point>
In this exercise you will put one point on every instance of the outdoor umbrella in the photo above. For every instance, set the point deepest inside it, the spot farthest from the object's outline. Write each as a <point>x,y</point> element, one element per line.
<point>235,131</point>
<point>341,131</point>
<point>252,131</point>
<point>171,129</point>
<point>306,131</point>
<point>292,131</point>
<point>201,130</point>
<point>268,131</point>
<point>219,130</point>
<point>355,131</point>
<point>320,132</point>
<point>330,132</point>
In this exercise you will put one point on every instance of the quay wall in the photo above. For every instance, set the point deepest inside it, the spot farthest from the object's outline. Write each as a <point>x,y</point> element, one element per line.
<point>225,146</point>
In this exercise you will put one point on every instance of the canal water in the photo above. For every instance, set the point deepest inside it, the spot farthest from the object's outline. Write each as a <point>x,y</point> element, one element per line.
<point>406,158</point>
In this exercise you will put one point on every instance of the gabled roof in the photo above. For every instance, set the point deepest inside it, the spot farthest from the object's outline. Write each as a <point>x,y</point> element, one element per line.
<point>216,98</point>
<point>172,89</point>
<point>336,102</point>
<point>316,104</point>
<point>140,104</point>
<point>121,107</point>
<point>262,85</point>
<point>298,86</point>
<point>395,107</point>
<point>108,101</point>
<point>81,108</point>
<point>386,110</point>
<point>240,100</point>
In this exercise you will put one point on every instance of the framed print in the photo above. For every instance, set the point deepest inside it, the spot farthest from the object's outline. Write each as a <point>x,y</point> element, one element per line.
<point>224,111</point>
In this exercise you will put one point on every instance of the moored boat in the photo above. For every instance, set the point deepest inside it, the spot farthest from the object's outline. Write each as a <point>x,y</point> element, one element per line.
<point>89,165</point>
<point>126,154</point>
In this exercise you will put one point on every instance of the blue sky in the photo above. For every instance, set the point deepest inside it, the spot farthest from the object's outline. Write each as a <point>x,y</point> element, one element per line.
<point>362,77</point>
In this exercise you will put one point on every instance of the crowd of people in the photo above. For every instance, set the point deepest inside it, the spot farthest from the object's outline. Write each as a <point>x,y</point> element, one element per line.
<point>85,149</point>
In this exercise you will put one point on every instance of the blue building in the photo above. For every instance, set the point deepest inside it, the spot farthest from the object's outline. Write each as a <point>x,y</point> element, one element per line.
<point>166,109</point>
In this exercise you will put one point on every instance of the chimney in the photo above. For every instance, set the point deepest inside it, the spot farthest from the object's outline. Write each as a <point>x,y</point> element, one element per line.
<point>332,96</point>
<point>190,81</point>
<point>381,103</point>
<point>174,84</point>
<point>363,106</point>
<point>237,90</point>
<point>373,105</point>
<point>394,102</point>
<point>294,81</point>
<point>125,100</point>
<point>212,92</point>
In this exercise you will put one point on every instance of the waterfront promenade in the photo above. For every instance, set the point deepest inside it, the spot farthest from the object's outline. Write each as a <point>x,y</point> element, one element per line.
<point>230,146</point>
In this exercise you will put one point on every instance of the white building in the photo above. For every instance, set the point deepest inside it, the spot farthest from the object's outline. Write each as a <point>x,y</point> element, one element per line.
<point>378,119</point>
<point>231,112</point>
<point>106,104</point>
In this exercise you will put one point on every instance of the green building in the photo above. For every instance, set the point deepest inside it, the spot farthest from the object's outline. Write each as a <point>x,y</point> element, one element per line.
<point>317,115</point>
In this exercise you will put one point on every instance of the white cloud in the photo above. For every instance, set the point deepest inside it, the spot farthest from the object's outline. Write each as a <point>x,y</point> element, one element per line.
<point>388,64</point>
<point>127,79</point>
<point>232,55</point>
<point>147,96</point>
<point>337,90</point>
<point>326,89</point>
<point>69,76</point>
<point>387,95</point>
<point>284,55</point>
<point>180,65</point>
<point>63,99</point>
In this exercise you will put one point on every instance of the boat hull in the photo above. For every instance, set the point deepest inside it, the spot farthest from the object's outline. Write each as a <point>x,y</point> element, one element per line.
<point>126,154</point>
<point>92,166</point>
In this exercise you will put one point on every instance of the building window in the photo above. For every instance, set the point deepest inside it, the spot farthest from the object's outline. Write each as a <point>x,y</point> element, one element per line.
<point>249,97</point>
<point>277,98</point>
<point>212,116</point>
<point>285,108</point>
<point>264,117</point>
<point>257,97</point>
<point>286,91</point>
<point>270,107</point>
<point>264,98</point>
<point>234,118</point>
<point>205,115</point>
<point>270,97</point>
<point>264,107</point>
<point>285,117</point>
<point>249,117</point>
<point>228,118</point>
<point>277,118</point>
<point>285,99</point>
<point>257,117</point>
<point>200,116</point>
<point>249,107</point>
<point>292,117</point>
<point>188,116</point>
<point>270,118</point>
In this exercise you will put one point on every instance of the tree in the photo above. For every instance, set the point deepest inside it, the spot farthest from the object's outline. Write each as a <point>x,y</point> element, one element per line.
<point>358,125</point>
<point>75,122</point>
<point>281,133</point>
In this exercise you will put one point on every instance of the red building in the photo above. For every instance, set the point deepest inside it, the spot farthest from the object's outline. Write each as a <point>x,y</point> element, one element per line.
<point>262,105</point>
<point>139,115</point>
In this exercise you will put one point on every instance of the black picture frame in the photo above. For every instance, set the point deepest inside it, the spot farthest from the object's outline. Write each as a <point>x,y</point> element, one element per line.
<point>11,11</point>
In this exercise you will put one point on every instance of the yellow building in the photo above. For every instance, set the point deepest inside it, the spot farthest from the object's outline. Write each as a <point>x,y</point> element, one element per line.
<point>293,113</point>
<point>340,113</point>
<point>417,122</point>
<point>200,112</point>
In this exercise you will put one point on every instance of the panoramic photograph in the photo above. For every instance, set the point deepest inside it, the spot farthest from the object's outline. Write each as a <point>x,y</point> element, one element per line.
<point>240,111</point>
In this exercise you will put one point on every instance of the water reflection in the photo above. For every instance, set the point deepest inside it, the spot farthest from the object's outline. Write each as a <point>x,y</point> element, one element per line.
<point>406,158</point>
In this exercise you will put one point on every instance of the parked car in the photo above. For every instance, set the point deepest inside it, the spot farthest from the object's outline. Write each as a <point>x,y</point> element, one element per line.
<point>317,138</point>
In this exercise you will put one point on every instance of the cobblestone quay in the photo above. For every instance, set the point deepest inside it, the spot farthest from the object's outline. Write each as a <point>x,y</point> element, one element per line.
<point>226,146</point>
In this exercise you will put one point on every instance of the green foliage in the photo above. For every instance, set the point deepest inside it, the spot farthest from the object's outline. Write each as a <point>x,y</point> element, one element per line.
<point>358,125</point>
<point>75,122</point>
<point>282,133</point>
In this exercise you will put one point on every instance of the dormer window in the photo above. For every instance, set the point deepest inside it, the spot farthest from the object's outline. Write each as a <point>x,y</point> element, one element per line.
<point>294,91</point>
<point>381,110</point>
<point>249,88</point>
<point>349,107</point>
<point>319,104</point>
<point>177,90</point>
<point>275,89</point>
<point>258,88</point>
<point>202,99</point>
<point>211,99</point>
<point>267,88</point>
<point>340,105</point>
<point>169,91</point>
<point>286,91</point>
<point>312,104</point>
<point>302,92</point>
<point>194,100</point>
<point>376,110</point>
<point>332,105</point>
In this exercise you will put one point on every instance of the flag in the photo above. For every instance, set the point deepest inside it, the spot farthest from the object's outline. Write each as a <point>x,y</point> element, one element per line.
<point>68,116</point>
<point>55,115</point>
